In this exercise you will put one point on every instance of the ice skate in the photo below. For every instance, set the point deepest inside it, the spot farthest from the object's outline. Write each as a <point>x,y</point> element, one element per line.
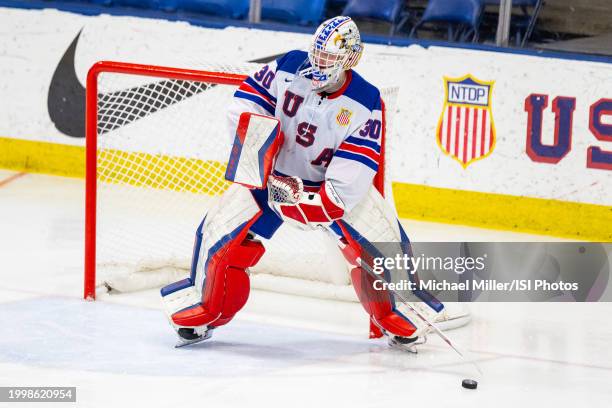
<point>188,336</point>
<point>408,344</point>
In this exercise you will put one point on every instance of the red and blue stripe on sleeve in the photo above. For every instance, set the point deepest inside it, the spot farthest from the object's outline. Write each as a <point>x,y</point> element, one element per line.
<point>363,151</point>
<point>256,93</point>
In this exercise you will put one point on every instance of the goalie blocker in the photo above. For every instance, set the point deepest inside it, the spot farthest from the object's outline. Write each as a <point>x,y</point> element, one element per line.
<point>257,141</point>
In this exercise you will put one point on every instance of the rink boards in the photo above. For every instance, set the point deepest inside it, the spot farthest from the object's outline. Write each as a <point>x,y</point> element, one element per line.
<point>483,138</point>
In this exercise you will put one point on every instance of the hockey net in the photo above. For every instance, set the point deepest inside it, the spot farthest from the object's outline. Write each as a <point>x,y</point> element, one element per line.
<point>157,145</point>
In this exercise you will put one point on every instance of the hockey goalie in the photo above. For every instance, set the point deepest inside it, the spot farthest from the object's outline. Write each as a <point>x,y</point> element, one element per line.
<point>306,135</point>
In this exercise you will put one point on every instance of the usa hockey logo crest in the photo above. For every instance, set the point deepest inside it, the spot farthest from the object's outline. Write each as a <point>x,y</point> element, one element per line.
<point>344,117</point>
<point>466,131</point>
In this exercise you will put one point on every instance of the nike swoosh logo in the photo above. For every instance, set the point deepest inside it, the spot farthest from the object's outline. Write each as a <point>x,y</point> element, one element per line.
<point>66,97</point>
<point>65,100</point>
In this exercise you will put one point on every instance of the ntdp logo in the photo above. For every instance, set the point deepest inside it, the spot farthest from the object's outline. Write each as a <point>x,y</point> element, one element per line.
<point>466,131</point>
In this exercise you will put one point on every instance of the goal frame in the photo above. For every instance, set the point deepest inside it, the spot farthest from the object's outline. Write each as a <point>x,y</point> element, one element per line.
<point>91,140</point>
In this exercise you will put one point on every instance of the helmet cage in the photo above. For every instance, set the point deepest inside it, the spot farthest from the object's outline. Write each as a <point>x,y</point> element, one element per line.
<point>327,66</point>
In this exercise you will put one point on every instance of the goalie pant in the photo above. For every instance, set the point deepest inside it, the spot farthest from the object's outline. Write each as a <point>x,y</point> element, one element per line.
<point>218,285</point>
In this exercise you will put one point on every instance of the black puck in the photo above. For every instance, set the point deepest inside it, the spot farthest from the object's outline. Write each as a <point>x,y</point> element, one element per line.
<point>469,384</point>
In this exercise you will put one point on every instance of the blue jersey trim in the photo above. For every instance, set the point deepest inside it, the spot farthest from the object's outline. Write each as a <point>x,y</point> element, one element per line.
<point>260,89</point>
<point>363,92</point>
<point>362,142</point>
<point>378,104</point>
<point>357,157</point>
<point>293,62</point>
<point>256,99</point>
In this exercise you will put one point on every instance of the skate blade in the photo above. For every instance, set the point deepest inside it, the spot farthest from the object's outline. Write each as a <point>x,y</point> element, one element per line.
<point>410,348</point>
<point>183,342</point>
<point>402,347</point>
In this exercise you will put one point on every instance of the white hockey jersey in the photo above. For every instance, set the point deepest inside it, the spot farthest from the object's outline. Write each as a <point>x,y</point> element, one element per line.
<point>328,137</point>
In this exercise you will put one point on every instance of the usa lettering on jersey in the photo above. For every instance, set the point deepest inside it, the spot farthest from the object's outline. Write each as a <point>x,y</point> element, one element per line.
<point>335,137</point>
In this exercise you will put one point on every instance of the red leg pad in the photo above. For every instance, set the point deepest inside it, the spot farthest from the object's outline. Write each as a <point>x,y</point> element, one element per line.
<point>375,331</point>
<point>377,304</point>
<point>247,254</point>
<point>237,288</point>
<point>395,324</point>
<point>226,288</point>
<point>193,316</point>
<point>350,252</point>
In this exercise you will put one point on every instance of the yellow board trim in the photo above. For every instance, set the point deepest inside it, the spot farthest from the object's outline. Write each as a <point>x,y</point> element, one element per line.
<point>42,157</point>
<point>500,211</point>
<point>486,210</point>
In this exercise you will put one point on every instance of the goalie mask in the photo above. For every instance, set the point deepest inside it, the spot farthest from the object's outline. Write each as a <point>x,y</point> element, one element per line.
<point>336,47</point>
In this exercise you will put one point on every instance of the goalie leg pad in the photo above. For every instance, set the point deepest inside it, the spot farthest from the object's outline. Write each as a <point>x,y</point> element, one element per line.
<point>373,220</point>
<point>378,303</point>
<point>232,288</point>
<point>213,290</point>
<point>227,286</point>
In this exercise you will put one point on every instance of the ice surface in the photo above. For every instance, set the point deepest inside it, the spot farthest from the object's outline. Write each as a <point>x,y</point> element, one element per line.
<point>72,334</point>
<point>120,351</point>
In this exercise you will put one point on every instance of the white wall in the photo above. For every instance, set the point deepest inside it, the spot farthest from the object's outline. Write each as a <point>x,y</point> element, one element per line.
<point>33,41</point>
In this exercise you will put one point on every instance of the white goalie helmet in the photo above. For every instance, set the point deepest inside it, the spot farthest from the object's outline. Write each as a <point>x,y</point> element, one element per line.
<point>335,47</point>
